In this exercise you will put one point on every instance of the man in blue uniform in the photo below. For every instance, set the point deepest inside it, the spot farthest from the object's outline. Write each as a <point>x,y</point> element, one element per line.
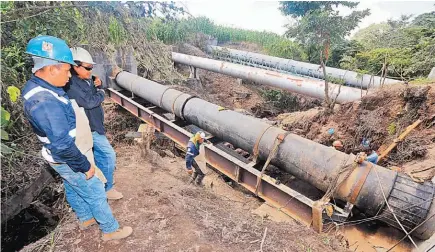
<point>51,115</point>
<point>193,151</point>
<point>87,91</point>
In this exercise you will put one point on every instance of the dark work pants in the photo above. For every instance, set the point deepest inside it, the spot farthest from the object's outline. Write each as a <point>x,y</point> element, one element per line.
<point>197,175</point>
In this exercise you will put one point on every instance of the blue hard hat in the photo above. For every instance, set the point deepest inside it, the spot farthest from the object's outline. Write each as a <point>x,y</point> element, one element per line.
<point>365,143</point>
<point>331,131</point>
<point>50,47</point>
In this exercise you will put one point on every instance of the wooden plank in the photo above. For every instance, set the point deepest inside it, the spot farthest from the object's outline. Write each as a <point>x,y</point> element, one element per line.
<point>399,139</point>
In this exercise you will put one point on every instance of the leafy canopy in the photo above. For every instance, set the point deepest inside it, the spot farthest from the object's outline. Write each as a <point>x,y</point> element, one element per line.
<point>319,23</point>
<point>405,46</point>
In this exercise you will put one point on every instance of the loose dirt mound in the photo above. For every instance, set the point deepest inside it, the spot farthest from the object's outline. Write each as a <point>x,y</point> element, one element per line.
<point>118,121</point>
<point>167,214</point>
<point>189,49</point>
<point>380,118</point>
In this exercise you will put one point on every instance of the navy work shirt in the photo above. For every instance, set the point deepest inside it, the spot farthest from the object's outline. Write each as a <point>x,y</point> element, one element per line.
<point>90,98</point>
<point>52,117</point>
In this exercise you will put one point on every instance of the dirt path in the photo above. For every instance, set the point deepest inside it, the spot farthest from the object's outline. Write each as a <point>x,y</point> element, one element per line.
<point>167,214</point>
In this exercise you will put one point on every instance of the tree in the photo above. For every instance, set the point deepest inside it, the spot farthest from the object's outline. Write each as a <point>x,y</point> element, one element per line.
<point>319,25</point>
<point>425,20</point>
<point>374,35</point>
<point>401,48</point>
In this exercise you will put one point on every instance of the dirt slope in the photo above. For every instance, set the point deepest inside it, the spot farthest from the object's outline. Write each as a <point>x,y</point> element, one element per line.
<point>380,117</point>
<point>167,214</point>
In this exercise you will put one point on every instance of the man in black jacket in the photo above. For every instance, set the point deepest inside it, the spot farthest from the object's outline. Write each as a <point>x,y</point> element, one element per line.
<point>88,93</point>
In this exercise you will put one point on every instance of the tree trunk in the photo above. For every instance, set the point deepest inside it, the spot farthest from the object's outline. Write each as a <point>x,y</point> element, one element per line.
<point>327,98</point>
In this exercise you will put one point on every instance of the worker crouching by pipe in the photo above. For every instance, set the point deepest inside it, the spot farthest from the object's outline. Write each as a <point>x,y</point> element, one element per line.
<point>193,151</point>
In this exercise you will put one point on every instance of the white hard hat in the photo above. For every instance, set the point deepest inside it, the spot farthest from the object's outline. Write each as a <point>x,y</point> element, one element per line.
<point>202,135</point>
<point>80,54</point>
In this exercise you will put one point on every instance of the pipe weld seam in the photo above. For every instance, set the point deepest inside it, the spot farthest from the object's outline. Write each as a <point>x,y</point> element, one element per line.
<point>161,97</point>
<point>173,103</point>
<point>184,105</point>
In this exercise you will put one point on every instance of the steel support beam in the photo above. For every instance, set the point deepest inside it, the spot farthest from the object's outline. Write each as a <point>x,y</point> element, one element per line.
<point>298,67</point>
<point>309,161</point>
<point>287,200</point>
<point>306,86</point>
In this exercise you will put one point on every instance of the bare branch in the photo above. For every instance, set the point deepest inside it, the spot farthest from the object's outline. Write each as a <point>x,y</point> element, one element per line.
<point>21,18</point>
<point>47,9</point>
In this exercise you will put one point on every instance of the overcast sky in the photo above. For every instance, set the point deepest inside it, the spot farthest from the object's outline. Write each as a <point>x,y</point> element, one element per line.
<point>264,15</point>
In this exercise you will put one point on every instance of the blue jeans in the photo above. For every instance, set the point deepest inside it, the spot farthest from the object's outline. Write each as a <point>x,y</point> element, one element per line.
<point>105,157</point>
<point>87,197</point>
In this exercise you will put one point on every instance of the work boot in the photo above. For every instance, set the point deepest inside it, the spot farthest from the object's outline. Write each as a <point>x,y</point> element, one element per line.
<point>113,194</point>
<point>192,179</point>
<point>119,234</point>
<point>87,224</point>
<point>199,179</point>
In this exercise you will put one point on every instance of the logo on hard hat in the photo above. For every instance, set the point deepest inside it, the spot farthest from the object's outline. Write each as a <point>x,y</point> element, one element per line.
<point>47,47</point>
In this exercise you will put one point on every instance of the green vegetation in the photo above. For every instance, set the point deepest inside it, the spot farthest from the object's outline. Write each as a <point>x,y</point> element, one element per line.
<point>180,30</point>
<point>421,81</point>
<point>391,128</point>
<point>400,48</point>
<point>184,30</point>
<point>318,27</point>
<point>281,100</point>
<point>102,25</point>
<point>116,32</point>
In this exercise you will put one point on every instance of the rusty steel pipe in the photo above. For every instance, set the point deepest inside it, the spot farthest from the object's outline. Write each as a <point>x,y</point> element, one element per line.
<point>306,86</point>
<point>309,161</point>
<point>351,78</point>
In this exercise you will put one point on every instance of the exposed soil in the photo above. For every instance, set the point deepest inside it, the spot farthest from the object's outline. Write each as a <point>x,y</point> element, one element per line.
<point>380,118</point>
<point>167,214</point>
<point>218,88</point>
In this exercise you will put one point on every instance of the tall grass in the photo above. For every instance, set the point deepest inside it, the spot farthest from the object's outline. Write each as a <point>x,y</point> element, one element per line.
<point>182,30</point>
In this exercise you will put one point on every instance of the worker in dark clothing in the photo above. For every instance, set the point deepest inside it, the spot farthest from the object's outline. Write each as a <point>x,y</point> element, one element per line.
<point>51,115</point>
<point>193,151</point>
<point>88,93</point>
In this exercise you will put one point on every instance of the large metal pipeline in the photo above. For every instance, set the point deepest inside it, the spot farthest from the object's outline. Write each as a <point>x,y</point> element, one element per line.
<point>306,86</point>
<point>298,67</point>
<point>309,161</point>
